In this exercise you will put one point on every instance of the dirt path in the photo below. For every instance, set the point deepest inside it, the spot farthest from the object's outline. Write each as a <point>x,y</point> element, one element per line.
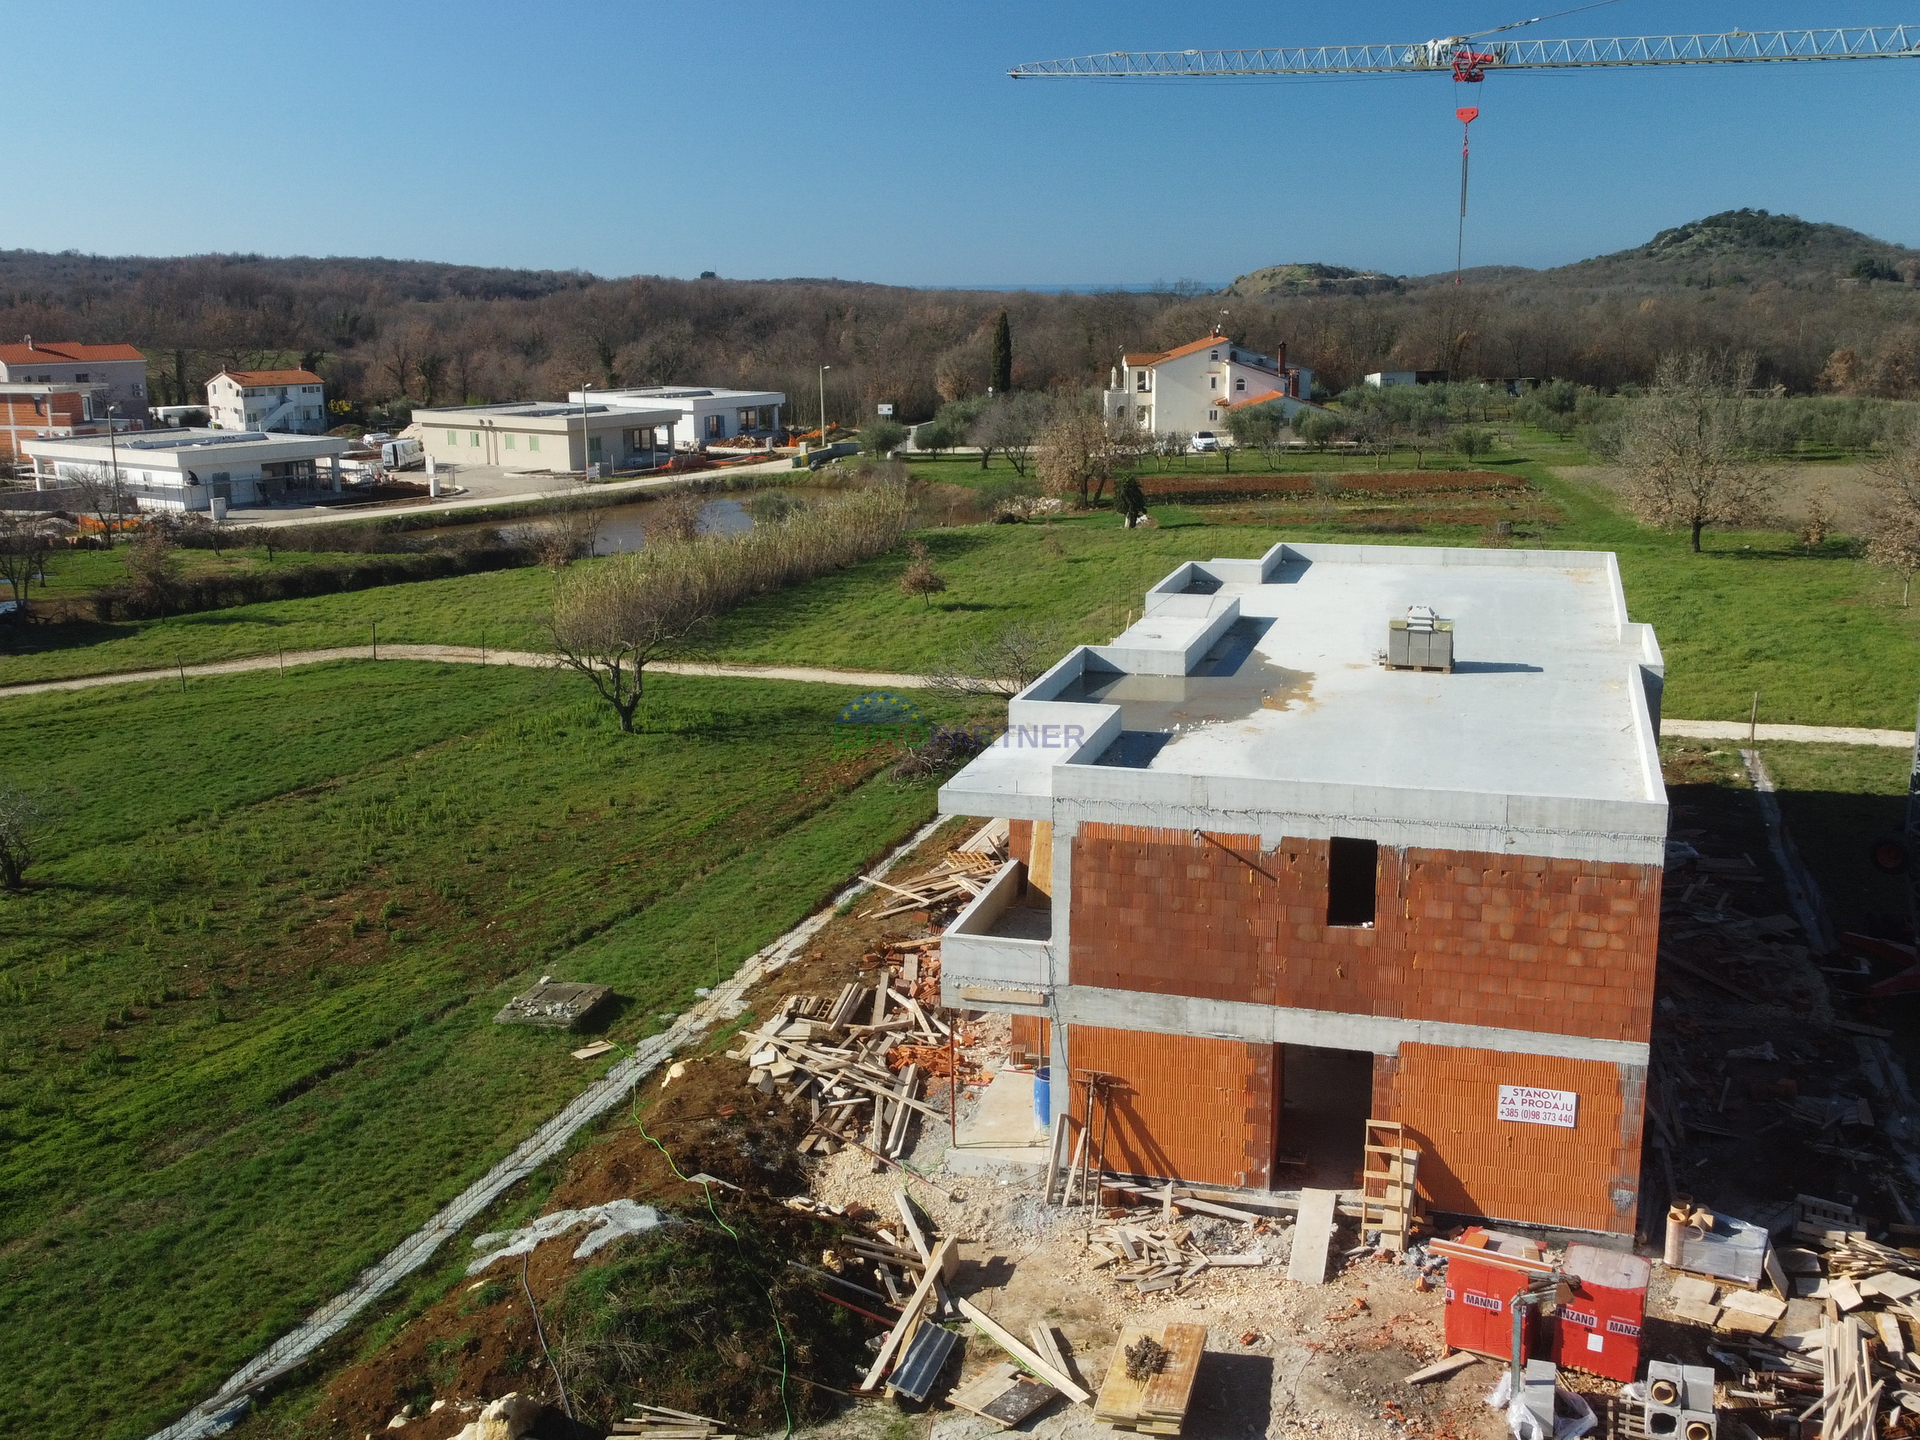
<point>225,1406</point>
<point>464,655</point>
<point>875,679</point>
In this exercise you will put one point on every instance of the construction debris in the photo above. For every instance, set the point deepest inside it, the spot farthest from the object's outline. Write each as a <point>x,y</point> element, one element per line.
<point>659,1423</point>
<point>554,1004</point>
<point>951,884</point>
<point>858,1061</point>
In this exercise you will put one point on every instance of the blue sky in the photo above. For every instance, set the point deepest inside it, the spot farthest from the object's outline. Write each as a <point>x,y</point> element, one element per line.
<point>629,138</point>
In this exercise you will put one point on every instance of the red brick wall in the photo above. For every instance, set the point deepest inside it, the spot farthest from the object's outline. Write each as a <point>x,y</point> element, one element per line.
<point>1514,941</point>
<point>1474,1163</point>
<point>1185,1108</point>
<point>1030,1036</point>
<point>1020,840</point>
<point>18,412</point>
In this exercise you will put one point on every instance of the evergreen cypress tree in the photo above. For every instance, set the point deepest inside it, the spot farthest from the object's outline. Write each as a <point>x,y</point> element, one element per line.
<point>1002,356</point>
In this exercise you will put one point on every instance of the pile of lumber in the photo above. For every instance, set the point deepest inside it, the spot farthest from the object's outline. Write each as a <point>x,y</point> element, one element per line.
<point>658,1423</point>
<point>1157,1403</point>
<point>952,883</point>
<point>949,885</point>
<point>834,1056</point>
<point>1149,1248</point>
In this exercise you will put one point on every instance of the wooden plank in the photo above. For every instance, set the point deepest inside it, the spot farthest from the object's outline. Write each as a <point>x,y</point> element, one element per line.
<point>1047,1342</point>
<point>1006,1340</point>
<point>1458,1361</point>
<point>1169,1392</point>
<point>1120,1393</point>
<point>905,1207</point>
<point>910,1317</point>
<point>1225,1212</point>
<point>1311,1236</point>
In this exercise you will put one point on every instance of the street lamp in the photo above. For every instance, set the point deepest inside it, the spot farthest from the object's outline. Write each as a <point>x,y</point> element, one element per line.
<point>823,403</point>
<point>113,450</point>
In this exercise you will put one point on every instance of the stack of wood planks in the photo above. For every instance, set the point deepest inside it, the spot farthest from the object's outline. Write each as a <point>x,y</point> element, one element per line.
<point>658,1423</point>
<point>1845,1393</point>
<point>952,883</point>
<point>1149,1248</point>
<point>836,1057</point>
<point>1156,1404</point>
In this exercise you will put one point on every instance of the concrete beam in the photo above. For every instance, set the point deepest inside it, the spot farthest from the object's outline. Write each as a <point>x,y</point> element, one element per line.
<point>1280,1025</point>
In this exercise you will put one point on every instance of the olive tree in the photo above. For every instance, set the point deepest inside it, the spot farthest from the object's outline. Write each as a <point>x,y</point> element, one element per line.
<point>22,819</point>
<point>1685,447</point>
<point>1893,533</point>
<point>612,619</point>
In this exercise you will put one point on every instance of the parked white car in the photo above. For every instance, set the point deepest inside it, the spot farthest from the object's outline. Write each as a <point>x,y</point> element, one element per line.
<point>1206,440</point>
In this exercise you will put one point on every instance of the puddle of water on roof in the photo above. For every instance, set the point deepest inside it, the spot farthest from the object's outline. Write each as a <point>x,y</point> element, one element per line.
<point>1172,703</point>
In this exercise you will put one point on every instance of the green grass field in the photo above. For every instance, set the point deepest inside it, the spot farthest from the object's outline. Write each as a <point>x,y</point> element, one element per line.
<point>247,1042</point>
<point>1820,636</point>
<point>74,573</point>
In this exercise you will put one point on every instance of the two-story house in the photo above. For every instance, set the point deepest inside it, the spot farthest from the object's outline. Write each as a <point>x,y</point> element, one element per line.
<point>1192,387</point>
<point>290,401</point>
<point>1277,871</point>
<point>116,375</point>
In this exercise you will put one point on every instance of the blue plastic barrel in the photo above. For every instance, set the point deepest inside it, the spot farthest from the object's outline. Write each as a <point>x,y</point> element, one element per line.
<point>1042,1097</point>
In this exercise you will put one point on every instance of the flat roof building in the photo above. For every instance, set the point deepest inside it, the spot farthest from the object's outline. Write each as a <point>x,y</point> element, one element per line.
<point>706,414</point>
<point>547,435</point>
<point>1343,832</point>
<point>194,469</point>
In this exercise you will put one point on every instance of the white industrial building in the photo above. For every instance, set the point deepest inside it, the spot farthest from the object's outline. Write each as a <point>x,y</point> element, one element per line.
<point>704,414</point>
<point>293,402</point>
<point>194,469</point>
<point>1193,386</point>
<point>547,435</point>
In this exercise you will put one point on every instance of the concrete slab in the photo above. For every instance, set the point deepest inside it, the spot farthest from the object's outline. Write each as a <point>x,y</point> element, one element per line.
<point>1541,741</point>
<point>1000,1135</point>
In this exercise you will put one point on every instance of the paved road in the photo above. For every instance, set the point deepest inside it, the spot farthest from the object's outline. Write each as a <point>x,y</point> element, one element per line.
<point>464,655</point>
<point>873,679</point>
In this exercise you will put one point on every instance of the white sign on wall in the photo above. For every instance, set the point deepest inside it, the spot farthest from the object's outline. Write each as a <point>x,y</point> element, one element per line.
<point>1529,1106</point>
<point>883,409</point>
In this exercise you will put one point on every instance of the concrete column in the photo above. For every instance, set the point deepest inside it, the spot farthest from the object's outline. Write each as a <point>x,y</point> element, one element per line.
<point>333,473</point>
<point>1059,1056</point>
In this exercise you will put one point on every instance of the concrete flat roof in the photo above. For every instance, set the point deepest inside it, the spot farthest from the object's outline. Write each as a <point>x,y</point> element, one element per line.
<point>144,447</point>
<point>1252,695</point>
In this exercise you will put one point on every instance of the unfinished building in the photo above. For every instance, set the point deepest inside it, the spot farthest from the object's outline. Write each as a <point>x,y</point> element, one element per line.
<point>1342,832</point>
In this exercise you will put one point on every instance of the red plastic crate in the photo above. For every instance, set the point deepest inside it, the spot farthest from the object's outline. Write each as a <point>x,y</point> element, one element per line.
<point>1481,1285</point>
<point>1599,1327</point>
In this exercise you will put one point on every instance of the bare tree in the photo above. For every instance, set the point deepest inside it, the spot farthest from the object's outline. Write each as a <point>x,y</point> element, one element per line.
<point>1075,455</point>
<point>674,517</point>
<point>23,557</point>
<point>1005,663</point>
<point>920,578</point>
<point>1893,533</point>
<point>99,494</point>
<point>23,818</point>
<point>152,571</point>
<point>1685,450</point>
<point>613,619</point>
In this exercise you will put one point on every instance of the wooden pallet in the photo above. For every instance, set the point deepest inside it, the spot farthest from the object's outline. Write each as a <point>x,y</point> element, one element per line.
<point>1158,1404</point>
<point>1387,1180</point>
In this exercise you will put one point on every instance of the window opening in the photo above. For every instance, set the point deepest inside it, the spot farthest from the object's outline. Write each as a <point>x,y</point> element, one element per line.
<point>1353,870</point>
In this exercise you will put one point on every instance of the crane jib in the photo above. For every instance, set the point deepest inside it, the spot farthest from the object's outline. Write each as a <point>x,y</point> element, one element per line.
<point>1885,42</point>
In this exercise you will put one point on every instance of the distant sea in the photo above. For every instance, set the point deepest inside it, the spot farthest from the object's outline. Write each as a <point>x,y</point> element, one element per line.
<point>1142,287</point>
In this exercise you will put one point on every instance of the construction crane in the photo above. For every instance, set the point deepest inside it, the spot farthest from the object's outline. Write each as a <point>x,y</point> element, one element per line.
<point>1468,58</point>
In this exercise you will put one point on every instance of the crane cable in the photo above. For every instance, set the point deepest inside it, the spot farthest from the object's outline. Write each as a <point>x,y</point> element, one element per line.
<point>1522,24</point>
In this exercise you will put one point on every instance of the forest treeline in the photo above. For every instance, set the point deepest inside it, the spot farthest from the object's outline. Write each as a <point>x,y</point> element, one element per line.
<point>389,334</point>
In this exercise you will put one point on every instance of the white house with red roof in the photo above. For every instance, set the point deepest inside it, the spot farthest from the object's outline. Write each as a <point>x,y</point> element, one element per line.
<point>1193,387</point>
<point>292,402</point>
<point>116,374</point>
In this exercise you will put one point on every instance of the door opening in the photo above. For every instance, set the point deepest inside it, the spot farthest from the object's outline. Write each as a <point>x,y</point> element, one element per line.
<point>1327,1097</point>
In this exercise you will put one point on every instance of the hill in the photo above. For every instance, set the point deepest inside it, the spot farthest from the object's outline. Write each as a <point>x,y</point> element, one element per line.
<point>1310,278</point>
<point>1748,247</point>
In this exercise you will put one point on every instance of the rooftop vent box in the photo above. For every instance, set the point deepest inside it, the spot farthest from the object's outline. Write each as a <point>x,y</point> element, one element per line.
<point>1422,641</point>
